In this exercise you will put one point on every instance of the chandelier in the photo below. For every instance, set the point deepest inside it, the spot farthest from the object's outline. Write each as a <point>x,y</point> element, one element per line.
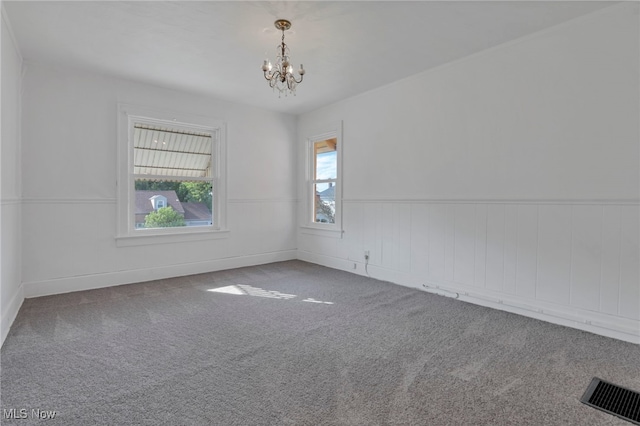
<point>281,76</point>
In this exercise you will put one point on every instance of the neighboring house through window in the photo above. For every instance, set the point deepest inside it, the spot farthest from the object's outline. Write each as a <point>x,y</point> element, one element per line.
<point>171,176</point>
<point>157,201</point>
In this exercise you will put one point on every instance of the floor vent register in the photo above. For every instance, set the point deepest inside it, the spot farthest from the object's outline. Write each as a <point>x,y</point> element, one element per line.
<point>613,399</point>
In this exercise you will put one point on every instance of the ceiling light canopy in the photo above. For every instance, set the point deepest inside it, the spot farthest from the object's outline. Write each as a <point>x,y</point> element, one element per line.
<point>281,76</point>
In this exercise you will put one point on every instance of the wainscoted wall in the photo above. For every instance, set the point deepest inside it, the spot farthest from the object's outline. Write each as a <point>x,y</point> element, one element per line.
<point>70,185</point>
<point>11,296</point>
<point>263,226</point>
<point>576,261</point>
<point>510,177</point>
<point>11,292</point>
<point>259,232</point>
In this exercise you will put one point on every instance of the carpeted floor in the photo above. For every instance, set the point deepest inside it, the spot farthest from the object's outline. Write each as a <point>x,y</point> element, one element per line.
<point>264,350</point>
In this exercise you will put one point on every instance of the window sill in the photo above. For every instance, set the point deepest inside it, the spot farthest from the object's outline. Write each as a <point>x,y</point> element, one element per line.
<point>323,232</point>
<point>169,237</point>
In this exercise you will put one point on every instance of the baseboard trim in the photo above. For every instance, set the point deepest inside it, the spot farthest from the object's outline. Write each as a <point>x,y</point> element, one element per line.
<point>594,322</point>
<point>10,313</point>
<point>109,279</point>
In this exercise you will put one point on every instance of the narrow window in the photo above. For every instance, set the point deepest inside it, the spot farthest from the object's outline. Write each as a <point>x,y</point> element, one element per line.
<point>324,181</point>
<point>323,185</point>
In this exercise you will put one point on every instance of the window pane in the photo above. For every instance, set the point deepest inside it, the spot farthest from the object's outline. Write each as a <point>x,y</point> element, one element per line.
<point>171,152</point>
<point>324,202</point>
<point>168,204</point>
<point>325,159</point>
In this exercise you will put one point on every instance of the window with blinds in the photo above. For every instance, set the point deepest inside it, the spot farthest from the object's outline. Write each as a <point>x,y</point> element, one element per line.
<point>173,177</point>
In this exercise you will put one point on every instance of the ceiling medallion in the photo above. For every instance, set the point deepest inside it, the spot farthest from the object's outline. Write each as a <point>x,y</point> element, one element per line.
<point>281,76</point>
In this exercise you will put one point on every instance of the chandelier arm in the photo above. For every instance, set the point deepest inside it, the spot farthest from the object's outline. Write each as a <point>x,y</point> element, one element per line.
<point>276,76</point>
<point>292,82</point>
<point>276,79</point>
<point>292,79</point>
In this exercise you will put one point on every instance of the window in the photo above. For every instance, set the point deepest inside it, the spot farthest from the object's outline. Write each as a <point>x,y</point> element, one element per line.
<point>323,187</point>
<point>171,179</point>
<point>325,176</point>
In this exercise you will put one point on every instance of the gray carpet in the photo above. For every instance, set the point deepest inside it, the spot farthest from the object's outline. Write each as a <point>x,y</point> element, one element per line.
<point>170,352</point>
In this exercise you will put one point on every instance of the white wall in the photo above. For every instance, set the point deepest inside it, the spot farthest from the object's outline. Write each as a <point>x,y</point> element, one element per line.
<point>511,176</point>
<point>11,295</point>
<point>69,184</point>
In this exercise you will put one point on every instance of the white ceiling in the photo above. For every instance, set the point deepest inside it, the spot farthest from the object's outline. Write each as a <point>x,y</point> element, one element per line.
<point>217,48</point>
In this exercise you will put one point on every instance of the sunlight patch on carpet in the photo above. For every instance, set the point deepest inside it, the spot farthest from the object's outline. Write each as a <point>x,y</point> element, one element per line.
<point>309,299</point>
<point>230,289</point>
<point>247,290</point>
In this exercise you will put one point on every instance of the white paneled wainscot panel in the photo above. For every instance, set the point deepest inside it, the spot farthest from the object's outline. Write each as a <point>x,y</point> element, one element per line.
<point>572,263</point>
<point>259,232</point>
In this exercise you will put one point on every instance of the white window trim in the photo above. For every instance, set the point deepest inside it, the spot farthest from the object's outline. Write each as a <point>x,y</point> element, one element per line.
<point>309,226</point>
<point>126,234</point>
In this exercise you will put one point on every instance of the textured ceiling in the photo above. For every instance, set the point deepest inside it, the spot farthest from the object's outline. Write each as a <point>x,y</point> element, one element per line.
<point>217,48</point>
